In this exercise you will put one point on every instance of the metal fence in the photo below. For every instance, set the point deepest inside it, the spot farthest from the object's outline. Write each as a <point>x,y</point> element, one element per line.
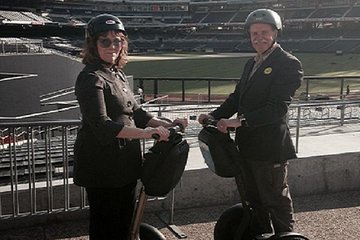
<point>182,89</point>
<point>36,157</point>
<point>313,88</point>
<point>35,167</point>
<point>20,46</point>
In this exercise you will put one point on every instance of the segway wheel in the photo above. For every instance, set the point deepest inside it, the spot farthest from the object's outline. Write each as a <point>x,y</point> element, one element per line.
<point>228,223</point>
<point>288,236</point>
<point>148,232</point>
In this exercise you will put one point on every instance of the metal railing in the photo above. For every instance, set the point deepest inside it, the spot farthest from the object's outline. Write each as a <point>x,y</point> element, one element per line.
<point>20,46</point>
<point>301,114</point>
<point>317,113</point>
<point>34,168</point>
<point>312,88</point>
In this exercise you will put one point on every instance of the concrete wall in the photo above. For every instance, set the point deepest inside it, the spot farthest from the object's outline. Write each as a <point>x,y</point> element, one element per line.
<point>17,97</point>
<point>54,72</point>
<point>307,176</point>
<point>325,174</point>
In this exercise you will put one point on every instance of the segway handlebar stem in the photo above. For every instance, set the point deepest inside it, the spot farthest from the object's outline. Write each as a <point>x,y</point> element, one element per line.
<point>140,205</point>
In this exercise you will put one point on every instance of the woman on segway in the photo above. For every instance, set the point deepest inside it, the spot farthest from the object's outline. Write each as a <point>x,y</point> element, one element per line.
<point>107,149</point>
<point>261,100</point>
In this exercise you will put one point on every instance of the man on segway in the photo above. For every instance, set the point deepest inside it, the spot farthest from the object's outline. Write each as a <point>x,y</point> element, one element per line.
<point>261,100</point>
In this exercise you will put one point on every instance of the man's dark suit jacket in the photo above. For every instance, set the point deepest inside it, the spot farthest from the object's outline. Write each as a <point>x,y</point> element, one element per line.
<point>264,99</point>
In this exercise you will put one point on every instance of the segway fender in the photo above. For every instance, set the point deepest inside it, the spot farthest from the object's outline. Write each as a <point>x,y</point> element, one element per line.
<point>148,232</point>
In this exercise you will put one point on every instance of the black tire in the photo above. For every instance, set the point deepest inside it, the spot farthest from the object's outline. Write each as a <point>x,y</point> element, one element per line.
<point>292,238</point>
<point>289,236</point>
<point>148,232</point>
<point>228,223</point>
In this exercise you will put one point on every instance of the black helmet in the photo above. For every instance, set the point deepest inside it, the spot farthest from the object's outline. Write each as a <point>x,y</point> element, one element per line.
<point>103,23</point>
<point>264,16</point>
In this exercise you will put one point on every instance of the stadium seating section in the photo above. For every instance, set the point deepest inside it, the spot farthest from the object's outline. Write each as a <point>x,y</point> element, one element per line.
<point>309,26</point>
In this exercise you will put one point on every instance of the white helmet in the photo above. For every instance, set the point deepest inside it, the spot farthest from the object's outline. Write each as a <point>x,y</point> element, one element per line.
<point>264,16</point>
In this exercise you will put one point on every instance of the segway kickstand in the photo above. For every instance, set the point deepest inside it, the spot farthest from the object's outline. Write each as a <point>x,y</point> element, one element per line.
<point>170,225</point>
<point>138,215</point>
<point>138,212</point>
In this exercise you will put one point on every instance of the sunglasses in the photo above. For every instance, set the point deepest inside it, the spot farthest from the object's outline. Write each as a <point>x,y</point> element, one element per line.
<point>106,42</point>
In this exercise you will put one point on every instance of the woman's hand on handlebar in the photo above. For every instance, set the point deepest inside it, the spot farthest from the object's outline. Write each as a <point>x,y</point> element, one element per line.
<point>161,133</point>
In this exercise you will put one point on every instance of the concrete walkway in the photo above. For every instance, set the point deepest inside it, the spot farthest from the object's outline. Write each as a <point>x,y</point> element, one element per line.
<point>327,140</point>
<point>319,217</point>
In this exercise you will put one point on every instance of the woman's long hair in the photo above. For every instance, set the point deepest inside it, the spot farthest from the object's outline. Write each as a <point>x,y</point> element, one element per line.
<point>122,60</point>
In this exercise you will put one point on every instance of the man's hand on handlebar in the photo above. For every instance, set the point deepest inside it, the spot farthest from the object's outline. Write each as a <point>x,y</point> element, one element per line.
<point>182,122</point>
<point>223,125</point>
<point>202,117</point>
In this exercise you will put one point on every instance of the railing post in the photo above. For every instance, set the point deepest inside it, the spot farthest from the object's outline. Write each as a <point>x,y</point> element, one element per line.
<point>13,171</point>
<point>342,114</point>
<point>29,146</point>
<point>156,88</point>
<point>48,160</point>
<point>159,112</point>
<point>209,91</point>
<point>141,84</point>
<point>342,88</point>
<point>33,177</point>
<point>3,46</point>
<point>342,110</point>
<point>82,197</point>
<point>66,167</point>
<point>307,86</point>
<point>297,130</point>
<point>183,89</point>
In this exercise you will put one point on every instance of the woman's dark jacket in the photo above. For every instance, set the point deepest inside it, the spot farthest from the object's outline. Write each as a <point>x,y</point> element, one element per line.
<point>264,99</point>
<point>107,104</point>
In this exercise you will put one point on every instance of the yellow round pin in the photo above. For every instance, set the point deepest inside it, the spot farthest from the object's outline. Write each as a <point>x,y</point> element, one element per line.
<point>268,70</point>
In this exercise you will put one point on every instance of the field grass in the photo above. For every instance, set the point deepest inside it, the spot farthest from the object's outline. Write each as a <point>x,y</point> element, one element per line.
<point>231,66</point>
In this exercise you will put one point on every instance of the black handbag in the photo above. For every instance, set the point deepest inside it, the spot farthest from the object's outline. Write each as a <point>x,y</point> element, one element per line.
<point>163,166</point>
<point>220,152</point>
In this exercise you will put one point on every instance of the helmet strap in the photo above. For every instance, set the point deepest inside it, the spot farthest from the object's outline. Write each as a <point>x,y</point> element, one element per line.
<point>267,50</point>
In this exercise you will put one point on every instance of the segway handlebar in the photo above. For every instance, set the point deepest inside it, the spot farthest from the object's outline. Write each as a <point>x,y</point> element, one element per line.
<point>213,122</point>
<point>173,130</point>
<point>209,122</point>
